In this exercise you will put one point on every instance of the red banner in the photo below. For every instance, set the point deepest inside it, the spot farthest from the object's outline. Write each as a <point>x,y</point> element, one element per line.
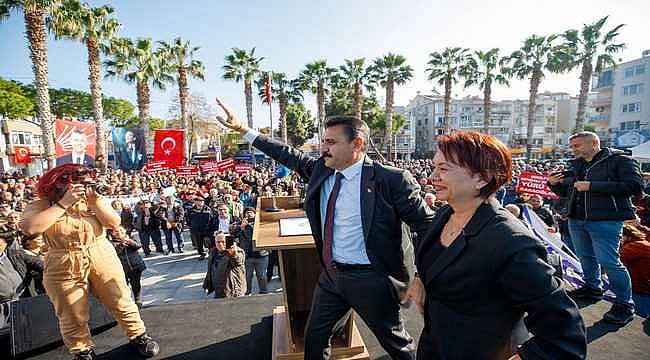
<point>532,183</point>
<point>240,169</point>
<point>209,166</point>
<point>156,167</point>
<point>168,147</point>
<point>22,155</point>
<point>225,164</point>
<point>190,170</point>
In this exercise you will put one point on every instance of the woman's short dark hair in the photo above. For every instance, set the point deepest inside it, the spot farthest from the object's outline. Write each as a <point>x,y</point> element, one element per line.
<point>354,127</point>
<point>481,154</point>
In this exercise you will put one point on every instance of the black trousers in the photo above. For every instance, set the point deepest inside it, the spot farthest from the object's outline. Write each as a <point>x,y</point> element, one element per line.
<point>201,242</point>
<point>133,278</point>
<point>372,296</point>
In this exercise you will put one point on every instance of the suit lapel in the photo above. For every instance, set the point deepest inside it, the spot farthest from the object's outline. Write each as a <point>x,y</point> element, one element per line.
<point>368,192</point>
<point>315,184</point>
<point>483,215</point>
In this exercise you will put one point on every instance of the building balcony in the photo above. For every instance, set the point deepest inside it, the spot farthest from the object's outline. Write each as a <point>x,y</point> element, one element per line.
<point>601,102</point>
<point>599,118</point>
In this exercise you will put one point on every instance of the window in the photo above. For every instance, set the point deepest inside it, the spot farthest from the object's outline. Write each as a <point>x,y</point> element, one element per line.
<point>632,107</point>
<point>633,89</point>
<point>440,107</point>
<point>630,125</point>
<point>426,121</point>
<point>21,138</point>
<point>419,122</point>
<point>629,72</point>
<point>640,69</point>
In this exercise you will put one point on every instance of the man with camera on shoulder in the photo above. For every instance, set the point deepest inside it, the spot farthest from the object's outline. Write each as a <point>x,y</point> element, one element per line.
<point>599,186</point>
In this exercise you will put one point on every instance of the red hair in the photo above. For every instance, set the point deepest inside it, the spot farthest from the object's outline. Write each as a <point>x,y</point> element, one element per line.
<point>480,154</point>
<point>54,183</point>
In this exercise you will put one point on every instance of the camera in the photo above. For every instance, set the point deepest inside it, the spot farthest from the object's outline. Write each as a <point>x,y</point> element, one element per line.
<point>98,188</point>
<point>565,174</point>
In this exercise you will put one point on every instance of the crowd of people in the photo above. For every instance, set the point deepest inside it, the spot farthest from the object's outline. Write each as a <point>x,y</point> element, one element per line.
<point>218,211</point>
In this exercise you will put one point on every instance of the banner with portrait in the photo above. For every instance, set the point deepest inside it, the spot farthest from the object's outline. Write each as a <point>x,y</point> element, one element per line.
<point>75,142</point>
<point>129,148</point>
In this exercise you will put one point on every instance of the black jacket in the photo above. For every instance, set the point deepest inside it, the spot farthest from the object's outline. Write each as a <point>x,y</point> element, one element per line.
<point>202,221</point>
<point>479,289</point>
<point>388,197</point>
<point>614,178</point>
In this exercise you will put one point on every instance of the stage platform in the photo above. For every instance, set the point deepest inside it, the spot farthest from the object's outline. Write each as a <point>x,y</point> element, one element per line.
<point>241,329</point>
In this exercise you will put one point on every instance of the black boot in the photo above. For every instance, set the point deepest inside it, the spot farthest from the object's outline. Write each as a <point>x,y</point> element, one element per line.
<point>145,345</point>
<point>85,355</point>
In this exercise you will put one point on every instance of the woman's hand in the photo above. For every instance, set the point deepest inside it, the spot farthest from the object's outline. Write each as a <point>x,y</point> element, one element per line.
<point>416,293</point>
<point>91,196</point>
<point>74,193</point>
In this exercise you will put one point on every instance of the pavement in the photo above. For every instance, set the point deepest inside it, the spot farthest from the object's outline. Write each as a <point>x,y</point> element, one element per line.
<point>178,277</point>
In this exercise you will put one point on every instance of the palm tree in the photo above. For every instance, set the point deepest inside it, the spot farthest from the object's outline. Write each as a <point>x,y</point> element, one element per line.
<point>482,69</point>
<point>537,55</point>
<point>388,71</point>
<point>316,77</point>
<point>444,67</point>
<point>34,12</point>
<point>179,59</point>
<point>354,74</point>
<point>242,65</point>
<point>91,26</point>
<point>581,48</point>
<point>137,63</point>
<point>284,91</point>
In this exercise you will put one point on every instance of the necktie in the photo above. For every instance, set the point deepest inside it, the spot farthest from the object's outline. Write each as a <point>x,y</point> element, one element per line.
<point>328,235</point>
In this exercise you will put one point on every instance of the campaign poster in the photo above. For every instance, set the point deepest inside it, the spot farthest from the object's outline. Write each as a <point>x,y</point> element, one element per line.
<point>75,142</point>
<point>129,148</point>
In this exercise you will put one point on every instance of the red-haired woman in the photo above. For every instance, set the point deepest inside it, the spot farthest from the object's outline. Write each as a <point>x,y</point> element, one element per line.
<point>481,270</point>
<point>80,260</point>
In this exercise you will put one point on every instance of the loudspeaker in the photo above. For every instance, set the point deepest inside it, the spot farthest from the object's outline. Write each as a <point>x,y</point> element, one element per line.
<point>34,323</point>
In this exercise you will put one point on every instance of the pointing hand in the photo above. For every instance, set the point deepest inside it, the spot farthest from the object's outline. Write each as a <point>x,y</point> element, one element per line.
<point>231,120</point>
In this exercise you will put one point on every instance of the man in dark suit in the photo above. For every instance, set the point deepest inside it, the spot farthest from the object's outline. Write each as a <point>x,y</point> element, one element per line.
<point>130,155</point>
<point>79,142</point>
<point>355,208</point>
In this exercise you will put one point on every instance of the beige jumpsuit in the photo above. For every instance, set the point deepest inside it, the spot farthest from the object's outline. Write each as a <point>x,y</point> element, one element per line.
<point>81,261</point>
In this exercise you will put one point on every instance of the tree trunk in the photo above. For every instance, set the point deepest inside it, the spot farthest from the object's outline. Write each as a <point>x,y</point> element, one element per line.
<point>487,105</point>
<point>358,101</point>
<point>388,134</point>
<point>445,122</point>
<point>94,67</point>
<point>283,117</point>
<point>35,29</point>
<point>320,99</point>
<point>190,137</point>
<point>532,104</point>
<point>585,79</point>
<point>142,90</point>
<point>182,98</point>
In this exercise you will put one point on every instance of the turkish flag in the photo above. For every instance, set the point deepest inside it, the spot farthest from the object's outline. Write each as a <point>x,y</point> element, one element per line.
<point>267,88</point>
<point>22,155</point>
<point>168,147</point>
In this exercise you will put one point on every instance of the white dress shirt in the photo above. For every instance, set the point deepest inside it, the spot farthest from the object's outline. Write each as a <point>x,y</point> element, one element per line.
<point>348,245</point>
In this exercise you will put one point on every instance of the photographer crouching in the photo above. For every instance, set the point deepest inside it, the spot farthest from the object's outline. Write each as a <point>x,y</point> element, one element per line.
<point>73,218</point>
<point>599,185</point>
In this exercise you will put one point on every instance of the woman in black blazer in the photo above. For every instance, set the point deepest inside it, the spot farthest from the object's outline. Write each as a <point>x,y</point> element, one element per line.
<point>482,271</point>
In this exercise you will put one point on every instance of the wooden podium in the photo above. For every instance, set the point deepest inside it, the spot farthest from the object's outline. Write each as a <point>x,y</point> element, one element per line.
<point>299,271</point>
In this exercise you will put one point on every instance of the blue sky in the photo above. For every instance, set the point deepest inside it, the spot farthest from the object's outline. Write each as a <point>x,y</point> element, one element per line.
<point>290,34</point>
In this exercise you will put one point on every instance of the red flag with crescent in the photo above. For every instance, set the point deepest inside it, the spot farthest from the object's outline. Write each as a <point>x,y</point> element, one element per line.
<point>168,147</point>
<point>22,155</point>
<point>267,88</point>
